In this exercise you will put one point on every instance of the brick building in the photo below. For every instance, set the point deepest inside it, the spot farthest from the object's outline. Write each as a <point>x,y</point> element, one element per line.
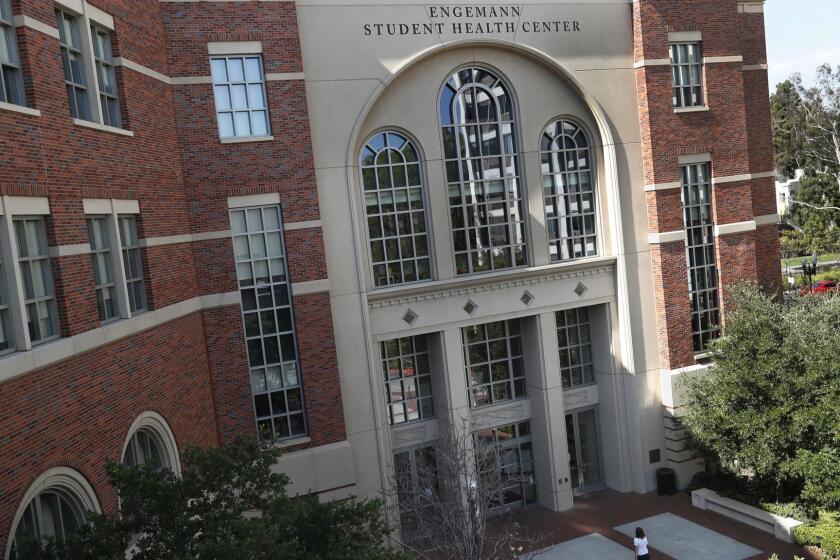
<point>344,227</point>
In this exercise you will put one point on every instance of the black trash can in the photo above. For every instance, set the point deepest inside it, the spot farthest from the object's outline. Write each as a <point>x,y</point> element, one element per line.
<point>666,482</point>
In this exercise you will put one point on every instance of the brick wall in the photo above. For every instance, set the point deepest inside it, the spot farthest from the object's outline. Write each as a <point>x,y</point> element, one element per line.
<point>735,131</point>
<point>77,413</point>
<point>192,370</point>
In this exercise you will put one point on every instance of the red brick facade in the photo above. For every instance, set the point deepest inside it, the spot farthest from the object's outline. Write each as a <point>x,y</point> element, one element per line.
<point>734,130</point>
<point>193,369</point>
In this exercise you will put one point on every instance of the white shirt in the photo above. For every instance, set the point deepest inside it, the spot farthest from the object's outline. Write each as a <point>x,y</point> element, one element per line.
<point>641,546</point>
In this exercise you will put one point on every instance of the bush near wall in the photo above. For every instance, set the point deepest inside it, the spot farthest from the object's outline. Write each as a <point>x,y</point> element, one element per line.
<point>823,533</point>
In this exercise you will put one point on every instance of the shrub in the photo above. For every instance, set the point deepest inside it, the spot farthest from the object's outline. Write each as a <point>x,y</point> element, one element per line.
<point>824,533</point>
<point>767,410</point>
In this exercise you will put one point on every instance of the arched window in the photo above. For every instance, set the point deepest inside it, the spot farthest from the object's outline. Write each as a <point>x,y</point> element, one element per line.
<point>395,210</point>
<point>569,192</point>
<point>482,171</point>
<point>145,448</point>
<point>151,443</point>
<point>56,506</point>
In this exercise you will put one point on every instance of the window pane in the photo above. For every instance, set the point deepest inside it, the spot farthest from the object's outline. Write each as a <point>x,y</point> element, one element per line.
<point>242,124</point>
<point>255,96</point>
<point>253,73</point>
<point>218,69</point>
<point>222,94</point>
<point>226,125</point>
<point>259,126</point>
<point>235,70</point>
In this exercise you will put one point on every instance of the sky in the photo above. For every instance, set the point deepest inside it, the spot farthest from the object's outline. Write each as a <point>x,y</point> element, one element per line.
<point>801,35</point>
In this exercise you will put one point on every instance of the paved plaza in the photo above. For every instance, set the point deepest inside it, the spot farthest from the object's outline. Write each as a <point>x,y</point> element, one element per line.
<point>601,526</point>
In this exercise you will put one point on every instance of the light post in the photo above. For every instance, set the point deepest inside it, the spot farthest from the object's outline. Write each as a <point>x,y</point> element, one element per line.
<point>809,270</point>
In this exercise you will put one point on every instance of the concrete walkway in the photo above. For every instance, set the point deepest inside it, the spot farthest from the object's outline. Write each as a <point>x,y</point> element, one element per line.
<point>599,526</point>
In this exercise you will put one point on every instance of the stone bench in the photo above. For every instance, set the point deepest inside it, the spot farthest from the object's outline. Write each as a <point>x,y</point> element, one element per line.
<point>781,527</point>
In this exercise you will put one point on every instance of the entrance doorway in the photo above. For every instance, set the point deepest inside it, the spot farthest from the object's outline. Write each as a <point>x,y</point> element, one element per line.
<point>584,450</point>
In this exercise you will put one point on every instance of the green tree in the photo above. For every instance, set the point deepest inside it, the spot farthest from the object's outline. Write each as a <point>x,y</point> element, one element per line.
<point>226,505</point>
<point>819,228</point>
<point>806,135</point>
<point>787,141</point>
<point>769,408</point>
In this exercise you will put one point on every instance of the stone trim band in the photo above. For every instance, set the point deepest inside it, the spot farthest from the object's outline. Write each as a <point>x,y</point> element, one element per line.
<point>20,363</point>
<point>720,229</point>
<point>715,180</point>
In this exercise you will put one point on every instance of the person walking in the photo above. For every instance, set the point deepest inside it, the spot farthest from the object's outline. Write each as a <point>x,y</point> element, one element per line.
<point>641,545</point>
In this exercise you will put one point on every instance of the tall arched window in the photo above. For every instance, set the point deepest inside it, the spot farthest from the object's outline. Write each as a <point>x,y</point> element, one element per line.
<point>145,448</point>
<point>395,210</point>
<point>569,192</point>
<point>56,506</point>
<point>151,443</point>
<point>482,172</point>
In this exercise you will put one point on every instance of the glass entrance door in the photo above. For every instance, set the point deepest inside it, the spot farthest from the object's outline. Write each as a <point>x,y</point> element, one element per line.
<point>584,450</point>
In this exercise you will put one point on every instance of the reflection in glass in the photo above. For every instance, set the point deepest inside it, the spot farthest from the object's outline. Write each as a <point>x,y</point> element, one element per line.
<point>568,191</point>
<point>481,161</point>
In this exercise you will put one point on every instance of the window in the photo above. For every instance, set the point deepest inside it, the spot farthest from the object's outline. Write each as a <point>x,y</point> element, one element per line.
<point>493,358</point>
<point>239,88</point>
<point>11,80</point>
<point>686,71</point>
<point>103,274</point>
<point>132,263</point>
<point>106,76</point>
<point>145,448</point>
<point>90,74</point>
<point>6,343</point>
<point>74,65</point>
<point>415,473</point>
<point>152,444</point>
<point>700,252</point>
<point>50,515</point>
<point>505,464</point>
<point>36,274</point>
<point>568,191</point>
<point>408,379</point>
<point>55,506</point>
<point>269,322</point>
<point>396,217</point>
<point>482,172</point>
<point>573,338</point>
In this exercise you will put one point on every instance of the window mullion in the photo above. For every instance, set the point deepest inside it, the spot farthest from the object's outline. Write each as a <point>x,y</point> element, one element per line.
<point>17,307</point>
<point>120,283</point>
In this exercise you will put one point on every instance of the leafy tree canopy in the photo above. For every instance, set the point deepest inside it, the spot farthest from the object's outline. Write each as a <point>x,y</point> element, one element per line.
<point>769,408</point>
<point>228,504</point>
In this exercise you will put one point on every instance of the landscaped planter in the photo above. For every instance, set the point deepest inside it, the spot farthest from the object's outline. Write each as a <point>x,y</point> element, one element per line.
<point>781,527</point>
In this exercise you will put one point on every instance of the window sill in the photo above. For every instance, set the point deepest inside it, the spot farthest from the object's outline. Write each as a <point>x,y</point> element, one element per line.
<point>102,127</point>
<point>702,356</point>
<point>19,109</point>
<point>691,109</point>
<point>292,442</point>
<point>243,139</point>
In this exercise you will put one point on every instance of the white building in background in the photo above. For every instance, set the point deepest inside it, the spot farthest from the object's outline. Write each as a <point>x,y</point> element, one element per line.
<point>785,188</point>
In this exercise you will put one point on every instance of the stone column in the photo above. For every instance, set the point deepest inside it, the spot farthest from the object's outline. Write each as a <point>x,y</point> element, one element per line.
<point>548,423</point>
